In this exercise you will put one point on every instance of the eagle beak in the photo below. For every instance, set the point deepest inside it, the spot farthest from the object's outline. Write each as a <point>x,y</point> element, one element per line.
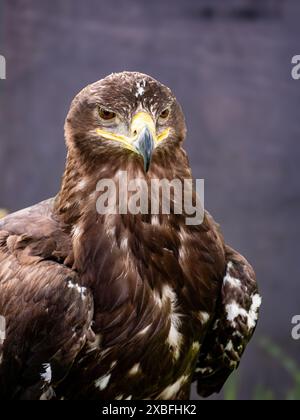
<point>144,136</point>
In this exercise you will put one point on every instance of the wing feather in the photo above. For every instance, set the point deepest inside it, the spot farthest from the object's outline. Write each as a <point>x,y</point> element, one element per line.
<point>46,313</point>
<point>232,328</point>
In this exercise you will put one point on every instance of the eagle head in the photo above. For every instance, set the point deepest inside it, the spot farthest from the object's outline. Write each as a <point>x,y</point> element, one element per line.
<point>125,117</point>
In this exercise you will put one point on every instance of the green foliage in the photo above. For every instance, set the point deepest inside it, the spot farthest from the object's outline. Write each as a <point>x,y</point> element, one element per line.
<point>231,388</point>
<point>261,393</point>
<point>286,363</point>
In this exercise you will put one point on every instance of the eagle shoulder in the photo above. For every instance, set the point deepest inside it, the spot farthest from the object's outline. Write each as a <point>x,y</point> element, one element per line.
<point>46,314</point>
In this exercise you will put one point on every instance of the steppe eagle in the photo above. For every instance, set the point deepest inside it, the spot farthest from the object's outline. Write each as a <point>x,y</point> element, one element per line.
<point>119,306</point>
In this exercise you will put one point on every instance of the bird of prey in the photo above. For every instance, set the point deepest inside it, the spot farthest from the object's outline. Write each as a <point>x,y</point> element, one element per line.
<point>120,306</point>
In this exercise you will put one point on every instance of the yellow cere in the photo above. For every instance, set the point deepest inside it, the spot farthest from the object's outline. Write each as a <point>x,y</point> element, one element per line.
<point>139,122</point>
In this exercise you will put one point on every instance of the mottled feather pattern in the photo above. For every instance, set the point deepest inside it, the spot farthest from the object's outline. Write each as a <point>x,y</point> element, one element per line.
<point>119,306</point>
<point>230,332</point>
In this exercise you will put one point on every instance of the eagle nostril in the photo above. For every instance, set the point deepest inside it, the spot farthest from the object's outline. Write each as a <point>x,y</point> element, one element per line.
<point>135,133</point>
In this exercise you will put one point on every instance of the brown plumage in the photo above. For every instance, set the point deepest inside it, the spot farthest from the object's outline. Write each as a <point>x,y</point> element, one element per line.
<point>119,306</point>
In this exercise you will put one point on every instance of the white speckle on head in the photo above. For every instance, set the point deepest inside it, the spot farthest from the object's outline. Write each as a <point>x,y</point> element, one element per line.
<point>46,375</point>
<point>79,289</point>
<point>232,281</point>
<point>171,391</point>
<point>135,369</point>
<point>102,382</point>
<point>2,329</point>
<point>234,310</point>
<point>140,86</point>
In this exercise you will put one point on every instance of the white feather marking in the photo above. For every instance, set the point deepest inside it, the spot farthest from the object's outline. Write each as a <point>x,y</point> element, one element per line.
<point>155,220</point>
<point>204,371</point>
<point>171,391</point>
<point>129,397</point>
<point>77,232</point>
<point>82,184</point>
<point>79,289</point>
<point>102,382</point>
<point>229,346</point>
<point>96,343</point>
<point>111,231</point>
<point>196,346</point>
<point>234,310</point>
<point>253,313</point>
<point>48,394</point>
<point>174,337</point>
<point>204,317</point>
<point>232,281</point>
<point>113,364</point>
<point>141,85</point>
<point>157,298</point>
<point>135,369</point>
<point>216,324</point>
<point>46,375</point>
<point>2,329</point>
<point>124,244</point>
<point>144,331</point>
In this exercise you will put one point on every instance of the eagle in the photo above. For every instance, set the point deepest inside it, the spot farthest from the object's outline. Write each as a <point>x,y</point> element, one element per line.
<point>116,306</point>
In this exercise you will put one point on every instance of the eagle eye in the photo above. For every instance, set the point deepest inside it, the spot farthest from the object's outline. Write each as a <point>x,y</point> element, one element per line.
<point>165,114</point>
<point>106,115</point>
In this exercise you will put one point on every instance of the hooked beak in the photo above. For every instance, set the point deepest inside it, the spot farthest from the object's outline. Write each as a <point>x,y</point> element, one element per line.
<point>143,137</point>
<point>143,132</point>
<point>145,146</point>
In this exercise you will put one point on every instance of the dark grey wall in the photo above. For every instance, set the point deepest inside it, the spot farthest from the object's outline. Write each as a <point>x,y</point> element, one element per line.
<point>232,74</point>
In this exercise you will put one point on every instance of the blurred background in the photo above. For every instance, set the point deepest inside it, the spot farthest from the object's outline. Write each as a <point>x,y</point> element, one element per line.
<point>229,63</point>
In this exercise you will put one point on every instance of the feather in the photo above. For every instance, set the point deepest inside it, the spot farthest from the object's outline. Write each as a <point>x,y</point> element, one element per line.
<point>110,306</point>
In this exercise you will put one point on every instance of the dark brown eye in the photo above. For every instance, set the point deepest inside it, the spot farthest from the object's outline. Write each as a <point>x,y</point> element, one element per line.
<point>106,115</point>
<point>165,114</point>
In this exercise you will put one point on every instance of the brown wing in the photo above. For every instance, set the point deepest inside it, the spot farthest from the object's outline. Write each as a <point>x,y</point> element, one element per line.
<point>233,326</point>
<point>45,314</point>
